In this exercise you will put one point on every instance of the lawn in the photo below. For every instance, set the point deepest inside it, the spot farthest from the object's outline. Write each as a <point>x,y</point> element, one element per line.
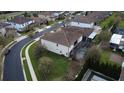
<point>108,22</point>
<point>121,24</point>
<point>28,75</point>
<point>60,64</point>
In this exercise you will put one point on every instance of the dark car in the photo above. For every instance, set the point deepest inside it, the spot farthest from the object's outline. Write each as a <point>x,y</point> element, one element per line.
<point>7,51</point>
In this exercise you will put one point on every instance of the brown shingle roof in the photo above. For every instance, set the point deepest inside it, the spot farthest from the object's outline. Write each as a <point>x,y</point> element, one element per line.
<point>67,35</point>
<point>20,20</point>
<point>95,16</point>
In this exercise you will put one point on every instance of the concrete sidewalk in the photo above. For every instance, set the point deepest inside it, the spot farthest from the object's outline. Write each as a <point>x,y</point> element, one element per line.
<point>33,75</point>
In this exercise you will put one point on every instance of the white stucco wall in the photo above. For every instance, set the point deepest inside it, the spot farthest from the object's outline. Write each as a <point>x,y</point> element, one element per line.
<point>79,39</point>
<point>3,31</point>
<point>60,49</point>
<point>83,25</point>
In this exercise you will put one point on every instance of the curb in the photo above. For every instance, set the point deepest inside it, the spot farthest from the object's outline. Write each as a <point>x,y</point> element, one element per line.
<point>10,45</point>
<point>31,69</point>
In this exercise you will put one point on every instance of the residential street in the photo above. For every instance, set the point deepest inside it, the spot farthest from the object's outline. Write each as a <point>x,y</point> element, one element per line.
<point>12,65</point>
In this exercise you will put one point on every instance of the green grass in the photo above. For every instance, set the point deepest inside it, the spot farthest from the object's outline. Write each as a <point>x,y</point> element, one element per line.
<point>60,65</point>
<point>108,22</point>
<point>121,24</point>
<point>28,75</point>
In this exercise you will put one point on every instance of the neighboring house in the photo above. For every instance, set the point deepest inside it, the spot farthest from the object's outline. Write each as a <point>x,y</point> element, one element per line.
<point>3,28</point>
<point>90,19</point>
<point>117,42</point>
<point>39,21</point>
<point>20,22</point>
<point>119,31</point>
<point>50,15</point>
<point>65,39</point>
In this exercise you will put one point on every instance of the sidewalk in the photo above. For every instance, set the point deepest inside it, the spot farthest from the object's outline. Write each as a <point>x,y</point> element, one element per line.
<point>33,75</point>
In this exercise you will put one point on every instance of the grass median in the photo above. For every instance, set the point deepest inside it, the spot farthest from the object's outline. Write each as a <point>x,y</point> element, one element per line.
<point>27,72</point>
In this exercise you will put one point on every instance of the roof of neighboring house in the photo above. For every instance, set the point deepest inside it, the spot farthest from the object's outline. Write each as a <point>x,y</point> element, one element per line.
<point>50,13</point>
<point>83,19</point>
<point>3,25</point>
<point>99,15</point>
<point>119,31</point>
<point>67,35</point>
<point>95,16</point>
<point>115,39</point>
<point>39,20</point>
<point>20,20</point>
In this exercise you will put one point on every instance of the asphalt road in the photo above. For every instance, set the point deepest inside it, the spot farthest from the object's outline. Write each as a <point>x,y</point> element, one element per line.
<point>12,64</point>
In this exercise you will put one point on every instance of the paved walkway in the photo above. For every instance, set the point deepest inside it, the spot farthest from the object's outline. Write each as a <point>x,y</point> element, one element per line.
<point>33,75</point>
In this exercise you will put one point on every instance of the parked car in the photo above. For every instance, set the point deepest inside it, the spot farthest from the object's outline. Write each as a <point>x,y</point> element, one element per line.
<point>7,51</point>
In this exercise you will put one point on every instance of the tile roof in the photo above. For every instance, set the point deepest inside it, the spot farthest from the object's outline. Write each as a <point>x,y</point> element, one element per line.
<point>67,35</point>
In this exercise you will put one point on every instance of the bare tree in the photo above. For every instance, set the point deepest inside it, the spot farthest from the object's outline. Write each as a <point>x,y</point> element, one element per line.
<point>45,67</point>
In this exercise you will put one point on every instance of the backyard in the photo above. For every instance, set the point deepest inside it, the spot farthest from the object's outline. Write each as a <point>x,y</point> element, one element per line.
<point>108,22</point>
<point>60,64</point>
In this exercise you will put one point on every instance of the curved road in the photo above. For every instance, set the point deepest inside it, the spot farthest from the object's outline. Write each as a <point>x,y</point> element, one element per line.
<point>12,64</point>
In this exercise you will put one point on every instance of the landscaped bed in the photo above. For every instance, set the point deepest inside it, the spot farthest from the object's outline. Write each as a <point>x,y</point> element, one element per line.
<point>60,64</point>
<point>105,66</point>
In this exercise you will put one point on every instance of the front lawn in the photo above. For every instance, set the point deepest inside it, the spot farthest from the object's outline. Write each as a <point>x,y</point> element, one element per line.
<point>60,64</point>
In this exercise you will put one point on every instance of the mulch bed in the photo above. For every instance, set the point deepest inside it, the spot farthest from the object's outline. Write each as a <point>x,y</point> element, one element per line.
<point>73,70</point>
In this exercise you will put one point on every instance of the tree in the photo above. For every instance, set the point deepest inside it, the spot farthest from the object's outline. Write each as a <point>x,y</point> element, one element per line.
<point>105,36</point>
<point>93,55</point>
<point>45,67</point>
<point>27,14</point>
<point>35,14</point>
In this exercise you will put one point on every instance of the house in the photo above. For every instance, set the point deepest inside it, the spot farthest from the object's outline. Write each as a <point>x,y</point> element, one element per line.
<point>90,19</point>
<point>20,22</point>
<point>65,39</point>
<point>119,31</point>
<point>39,21</point>
<point>3,27</point>
<point>50,15</point>
<point>117,42</point>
